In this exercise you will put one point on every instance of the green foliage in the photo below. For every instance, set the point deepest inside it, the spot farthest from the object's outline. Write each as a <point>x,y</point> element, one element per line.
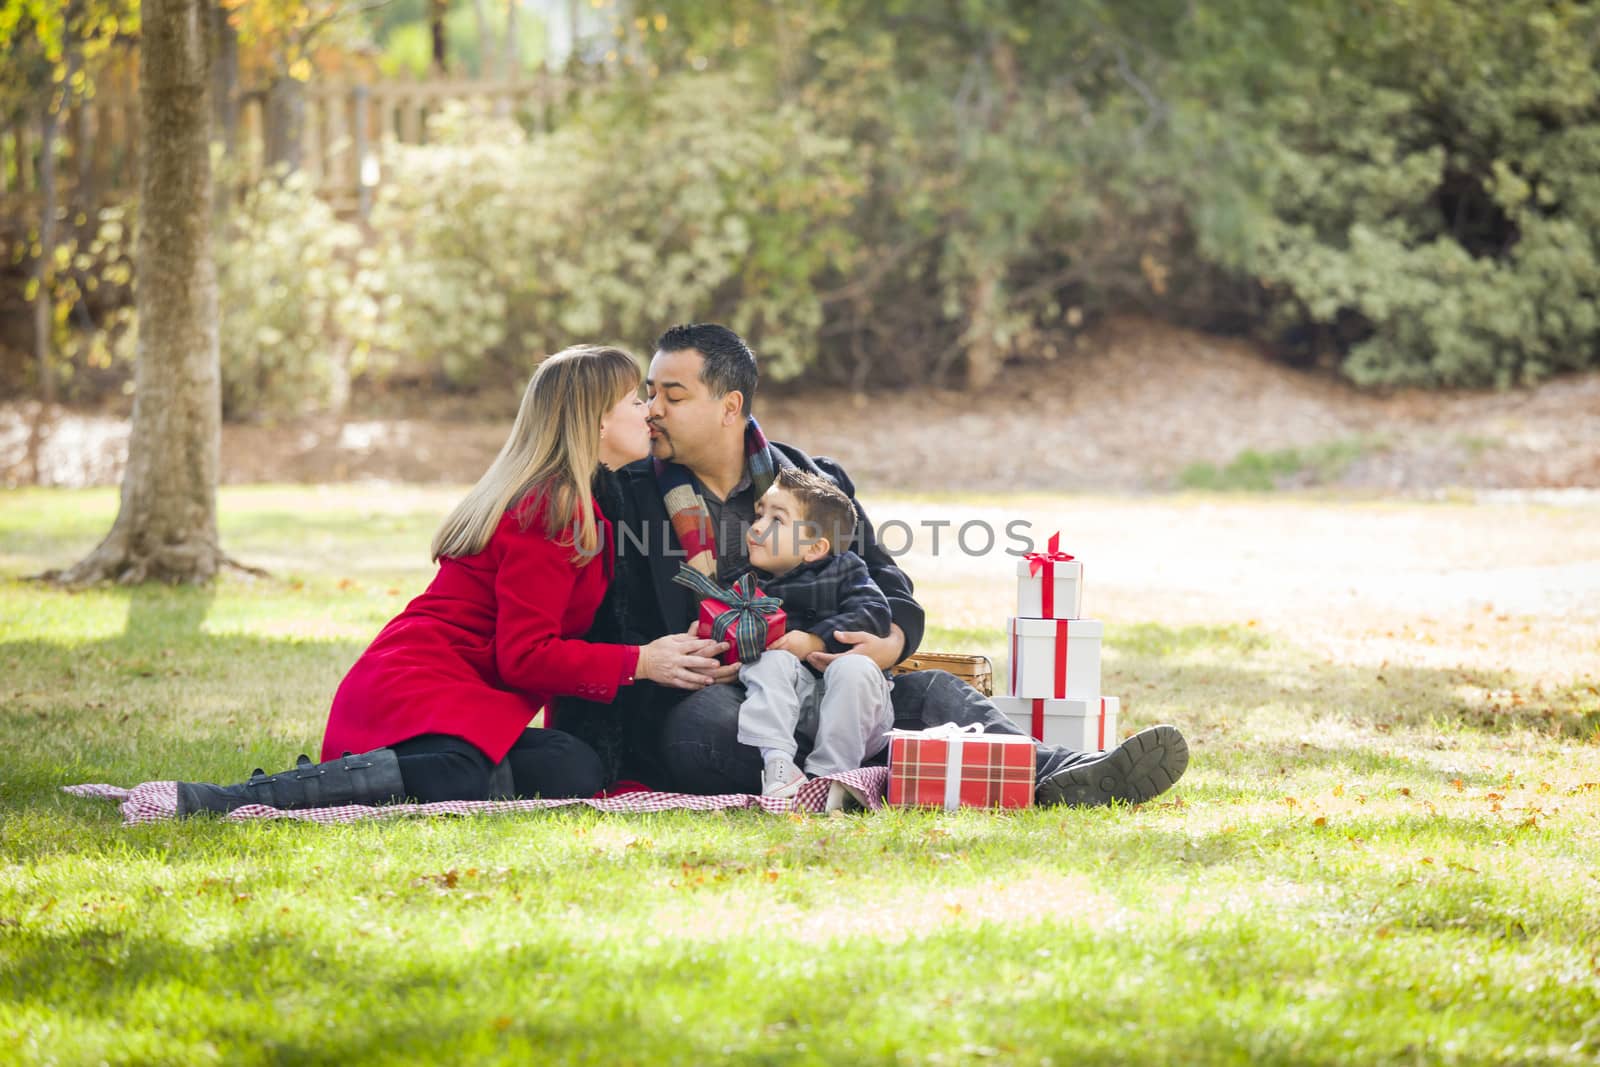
<point>882,192</point>
<point>408,45</point>
<point>298,307</point>
<point>1429,191</point>
<point>1411,188</point>
<point>1260,472</point>
<point>299,310</point>
<point>498,246</point>
<point>999,172</point>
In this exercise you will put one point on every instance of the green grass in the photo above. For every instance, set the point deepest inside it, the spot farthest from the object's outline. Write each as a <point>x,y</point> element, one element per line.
<point>1260,472</point>
<point>1363,865</point>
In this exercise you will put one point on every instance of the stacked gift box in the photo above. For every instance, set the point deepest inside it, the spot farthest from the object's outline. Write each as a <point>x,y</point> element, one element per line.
<point>1053,696</point>
<point>1054,674</point>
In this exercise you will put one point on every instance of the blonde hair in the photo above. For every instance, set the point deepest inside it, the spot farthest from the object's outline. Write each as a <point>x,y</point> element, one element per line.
<point>551,455</point>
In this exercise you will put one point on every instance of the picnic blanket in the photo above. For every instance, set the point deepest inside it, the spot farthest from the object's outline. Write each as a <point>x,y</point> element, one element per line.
<point>154,801</point>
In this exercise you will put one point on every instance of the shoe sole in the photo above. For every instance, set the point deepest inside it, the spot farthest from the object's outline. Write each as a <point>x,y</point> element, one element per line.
<point>1145,765</point>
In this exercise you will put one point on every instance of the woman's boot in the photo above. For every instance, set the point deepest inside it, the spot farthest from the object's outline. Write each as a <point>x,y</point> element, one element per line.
<point>370,778</point>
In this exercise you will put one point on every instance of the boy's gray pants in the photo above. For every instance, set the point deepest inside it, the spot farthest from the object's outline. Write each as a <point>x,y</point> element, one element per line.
<point>846,713</point>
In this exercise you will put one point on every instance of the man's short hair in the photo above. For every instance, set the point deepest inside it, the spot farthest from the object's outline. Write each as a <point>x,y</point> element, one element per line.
<point>823,505</point>
<point>729,363</point>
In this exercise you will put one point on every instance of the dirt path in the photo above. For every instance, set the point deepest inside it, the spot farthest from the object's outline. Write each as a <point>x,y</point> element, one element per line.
<point>1134,406</point>
<point>1495,587</point>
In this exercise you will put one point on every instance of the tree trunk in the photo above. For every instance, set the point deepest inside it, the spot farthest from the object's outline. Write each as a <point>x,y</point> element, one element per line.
<point>45,268</point>
<point>513,60</point>
<point>286,122</point>
<point>225,81</point>
<point>437,10</point>
<point>484,66</point>
<point>166,527</point>
<point>983,350</point>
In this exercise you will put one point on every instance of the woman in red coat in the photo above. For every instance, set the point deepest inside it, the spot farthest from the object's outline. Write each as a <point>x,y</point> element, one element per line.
<point>438,707</point>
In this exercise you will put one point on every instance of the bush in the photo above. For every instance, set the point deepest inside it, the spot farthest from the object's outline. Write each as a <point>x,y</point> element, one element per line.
<point>692,202</point>
<point>296,303</point>
<point>1430,197</point>
<point>298,306</point>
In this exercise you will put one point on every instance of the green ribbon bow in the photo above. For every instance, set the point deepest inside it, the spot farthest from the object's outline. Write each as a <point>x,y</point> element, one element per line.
<point>744,622</point>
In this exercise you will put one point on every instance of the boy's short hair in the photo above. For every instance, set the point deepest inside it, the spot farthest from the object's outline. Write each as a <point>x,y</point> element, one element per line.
<point>823,505</point>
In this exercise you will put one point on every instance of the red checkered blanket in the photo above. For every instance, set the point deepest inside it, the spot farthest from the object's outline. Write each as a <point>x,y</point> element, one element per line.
<point>154,801</point>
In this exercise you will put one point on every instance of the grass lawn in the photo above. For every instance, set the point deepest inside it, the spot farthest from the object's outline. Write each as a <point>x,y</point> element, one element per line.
<point>1387,847</point>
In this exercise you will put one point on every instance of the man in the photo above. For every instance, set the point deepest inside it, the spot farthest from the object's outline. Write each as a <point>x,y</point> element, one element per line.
<point>693,501</point>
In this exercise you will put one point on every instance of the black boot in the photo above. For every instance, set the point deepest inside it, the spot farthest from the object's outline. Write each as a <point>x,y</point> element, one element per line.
<point>370,778</point>
<point>1143,766</point>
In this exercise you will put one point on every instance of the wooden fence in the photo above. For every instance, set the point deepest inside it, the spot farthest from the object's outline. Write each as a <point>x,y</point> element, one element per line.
<point>343,129</point>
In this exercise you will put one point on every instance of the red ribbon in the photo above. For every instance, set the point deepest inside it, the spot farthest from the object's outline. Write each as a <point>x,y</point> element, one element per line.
<point>1046,562</point>
<point>1061,659</point>
<point>1038,722</point>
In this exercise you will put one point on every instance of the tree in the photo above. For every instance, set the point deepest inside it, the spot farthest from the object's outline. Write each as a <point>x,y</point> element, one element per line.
<point>49,48</point>
<point>437,12</point>
<point>287,32</point>
<point>166,527</point>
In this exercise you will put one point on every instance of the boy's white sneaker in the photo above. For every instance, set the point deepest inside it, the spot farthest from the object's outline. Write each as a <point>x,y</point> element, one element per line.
<point>838,798</point>
<point>781,778</point>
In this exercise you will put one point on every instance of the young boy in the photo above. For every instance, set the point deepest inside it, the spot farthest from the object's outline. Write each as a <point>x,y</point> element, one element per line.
<point>803,524</point>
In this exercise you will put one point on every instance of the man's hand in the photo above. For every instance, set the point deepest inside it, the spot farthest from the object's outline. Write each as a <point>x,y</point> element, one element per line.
<point>884,651</point>
<point>800,643</point>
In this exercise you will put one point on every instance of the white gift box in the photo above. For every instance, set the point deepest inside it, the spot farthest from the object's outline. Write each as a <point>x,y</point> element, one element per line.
<point>1054,658</point>
<point>1078,724</point>
<point>1065,590</point>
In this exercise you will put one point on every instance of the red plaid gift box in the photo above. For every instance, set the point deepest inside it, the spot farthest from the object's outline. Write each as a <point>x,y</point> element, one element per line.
<point>952,766</point>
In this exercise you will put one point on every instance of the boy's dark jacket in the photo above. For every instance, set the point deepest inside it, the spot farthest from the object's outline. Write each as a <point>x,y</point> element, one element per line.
<point>835,592</point>
<point>643,603</point>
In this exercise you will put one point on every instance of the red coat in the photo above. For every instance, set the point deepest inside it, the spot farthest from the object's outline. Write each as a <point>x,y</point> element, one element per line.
<point>491,641</point>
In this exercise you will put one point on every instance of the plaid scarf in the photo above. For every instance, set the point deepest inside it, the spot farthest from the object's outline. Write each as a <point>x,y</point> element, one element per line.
<point>691,520</point>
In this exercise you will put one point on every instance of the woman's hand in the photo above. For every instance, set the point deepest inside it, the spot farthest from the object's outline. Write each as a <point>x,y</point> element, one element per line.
<point>682,661</point>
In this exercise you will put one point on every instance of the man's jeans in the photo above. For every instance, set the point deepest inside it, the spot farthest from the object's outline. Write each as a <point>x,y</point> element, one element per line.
<point>700,739</point>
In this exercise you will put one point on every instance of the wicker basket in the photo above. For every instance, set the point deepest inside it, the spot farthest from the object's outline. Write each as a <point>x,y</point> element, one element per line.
<point>976,671</point>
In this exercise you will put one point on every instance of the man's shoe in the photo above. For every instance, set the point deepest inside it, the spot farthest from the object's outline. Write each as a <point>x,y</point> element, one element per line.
<point>780,778</point>
<point>1143,766</point>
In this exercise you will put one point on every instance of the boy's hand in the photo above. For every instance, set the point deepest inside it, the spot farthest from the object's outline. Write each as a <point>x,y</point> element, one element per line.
<point>800,643</point>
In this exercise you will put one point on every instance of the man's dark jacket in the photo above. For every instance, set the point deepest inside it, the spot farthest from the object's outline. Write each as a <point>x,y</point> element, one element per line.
<point>643,603</point>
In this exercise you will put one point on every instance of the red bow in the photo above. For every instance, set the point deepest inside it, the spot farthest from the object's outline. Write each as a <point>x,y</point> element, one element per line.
<point>1039,561</point>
